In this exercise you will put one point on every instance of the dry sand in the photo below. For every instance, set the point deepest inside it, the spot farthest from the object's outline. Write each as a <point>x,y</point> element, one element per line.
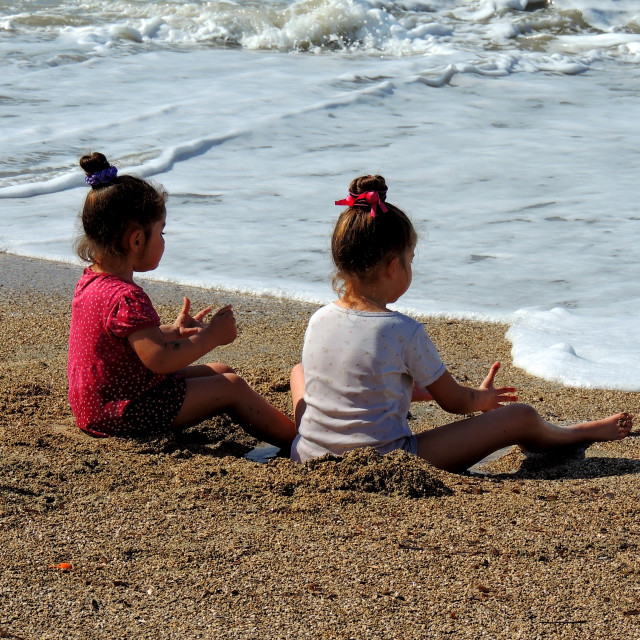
<point>182,537</point>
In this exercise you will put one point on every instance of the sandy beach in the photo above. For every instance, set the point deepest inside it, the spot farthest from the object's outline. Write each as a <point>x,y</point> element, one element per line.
<point>183,537</point>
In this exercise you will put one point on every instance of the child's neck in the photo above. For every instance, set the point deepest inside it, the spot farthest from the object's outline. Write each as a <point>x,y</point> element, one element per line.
<point>120,268</point>
<point>362,298</point>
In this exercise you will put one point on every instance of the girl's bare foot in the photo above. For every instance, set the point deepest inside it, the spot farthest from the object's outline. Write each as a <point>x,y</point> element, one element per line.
<point>613,427</point>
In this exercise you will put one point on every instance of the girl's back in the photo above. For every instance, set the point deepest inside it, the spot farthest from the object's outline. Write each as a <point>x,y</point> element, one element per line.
<point>359,370</point>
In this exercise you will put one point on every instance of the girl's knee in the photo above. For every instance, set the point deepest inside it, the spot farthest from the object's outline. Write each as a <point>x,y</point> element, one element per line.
<point>237,386</point>
<point>234,379</point>
<point>220,368</point>
<point>525,414</point>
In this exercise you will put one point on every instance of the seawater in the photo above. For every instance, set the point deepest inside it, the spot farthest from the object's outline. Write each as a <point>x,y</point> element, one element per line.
<point>507,129</point>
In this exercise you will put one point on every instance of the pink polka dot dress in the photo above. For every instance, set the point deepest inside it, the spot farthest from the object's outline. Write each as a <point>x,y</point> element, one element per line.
<point>111,391</point>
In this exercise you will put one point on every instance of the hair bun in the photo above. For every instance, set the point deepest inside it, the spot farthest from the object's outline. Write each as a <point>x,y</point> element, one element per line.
<point>94,163</point>
<point>364,184</point>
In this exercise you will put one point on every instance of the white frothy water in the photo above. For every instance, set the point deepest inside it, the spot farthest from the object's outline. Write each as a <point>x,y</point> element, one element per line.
<point>507,129</point>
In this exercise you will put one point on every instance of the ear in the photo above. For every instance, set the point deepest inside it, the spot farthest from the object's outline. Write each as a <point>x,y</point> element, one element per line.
<point>392,267</point>
<point>136,241</point>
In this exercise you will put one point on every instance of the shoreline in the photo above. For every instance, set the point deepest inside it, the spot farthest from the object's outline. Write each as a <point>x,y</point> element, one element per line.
<point>182,537</point>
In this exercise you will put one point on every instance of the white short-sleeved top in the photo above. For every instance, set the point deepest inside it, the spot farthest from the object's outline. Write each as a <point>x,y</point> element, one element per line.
<point>359,369</point>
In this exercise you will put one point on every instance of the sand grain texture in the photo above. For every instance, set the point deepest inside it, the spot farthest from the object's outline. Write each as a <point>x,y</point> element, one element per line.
<point>181,537</point>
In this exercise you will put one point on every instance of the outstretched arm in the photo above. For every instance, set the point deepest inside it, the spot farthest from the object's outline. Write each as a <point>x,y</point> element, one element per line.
<point>456,398</point>
<point>166,356</point>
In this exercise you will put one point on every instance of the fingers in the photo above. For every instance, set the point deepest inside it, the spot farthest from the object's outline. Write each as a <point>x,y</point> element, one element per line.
<point>506,389</point>
<point>488,381</point>
<point>500,400</point>
<point>198,317</point>
<point>223,325</point>
<point>224,310</point>
<point>506,394</point>
<point>226,313</point>
<point>201,315</point>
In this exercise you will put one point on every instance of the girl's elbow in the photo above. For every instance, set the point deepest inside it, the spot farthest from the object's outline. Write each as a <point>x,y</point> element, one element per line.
<point>168,358</point>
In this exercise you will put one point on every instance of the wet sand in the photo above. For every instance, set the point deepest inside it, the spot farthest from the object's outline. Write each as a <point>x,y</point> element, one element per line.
<point>182,537</point>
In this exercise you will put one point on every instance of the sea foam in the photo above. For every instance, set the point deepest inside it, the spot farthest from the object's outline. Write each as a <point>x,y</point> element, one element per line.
<point>506,130</point>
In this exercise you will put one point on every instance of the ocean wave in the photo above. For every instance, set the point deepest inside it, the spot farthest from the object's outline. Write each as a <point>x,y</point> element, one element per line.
<point>351,27</point>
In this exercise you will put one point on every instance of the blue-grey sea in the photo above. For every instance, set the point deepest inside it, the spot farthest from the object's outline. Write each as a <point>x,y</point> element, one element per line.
<point>507,129</point>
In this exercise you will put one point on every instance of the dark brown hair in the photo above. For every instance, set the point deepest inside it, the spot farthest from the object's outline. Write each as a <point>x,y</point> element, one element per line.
<point>361,242</point>
<point>111,208</point>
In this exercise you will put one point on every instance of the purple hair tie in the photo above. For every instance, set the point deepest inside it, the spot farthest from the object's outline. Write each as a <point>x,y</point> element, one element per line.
<point>102,177</point>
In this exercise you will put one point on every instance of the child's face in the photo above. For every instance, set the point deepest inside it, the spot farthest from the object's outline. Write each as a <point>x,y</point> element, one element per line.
<point>407,265</point>
<point>154,247</point>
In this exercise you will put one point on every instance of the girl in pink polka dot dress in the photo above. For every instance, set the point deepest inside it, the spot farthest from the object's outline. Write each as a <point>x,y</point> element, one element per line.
<point>130,375</point>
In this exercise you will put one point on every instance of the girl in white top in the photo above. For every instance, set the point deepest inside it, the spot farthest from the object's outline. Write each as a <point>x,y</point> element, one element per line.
<point>362,364</point>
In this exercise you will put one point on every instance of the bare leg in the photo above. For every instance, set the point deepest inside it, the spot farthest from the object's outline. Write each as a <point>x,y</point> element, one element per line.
<point>459,445</point>
<point>210,394</point>
<point>297,393</point>
<point>204,370</point>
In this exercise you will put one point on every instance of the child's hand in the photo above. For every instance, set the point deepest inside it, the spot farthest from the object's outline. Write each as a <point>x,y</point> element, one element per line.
<point>223,325</point>
<point>497,396</point>
<point>185,325</point>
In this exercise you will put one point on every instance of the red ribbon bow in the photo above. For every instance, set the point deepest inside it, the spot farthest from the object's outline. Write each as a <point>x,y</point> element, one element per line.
<point>371,197</point>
